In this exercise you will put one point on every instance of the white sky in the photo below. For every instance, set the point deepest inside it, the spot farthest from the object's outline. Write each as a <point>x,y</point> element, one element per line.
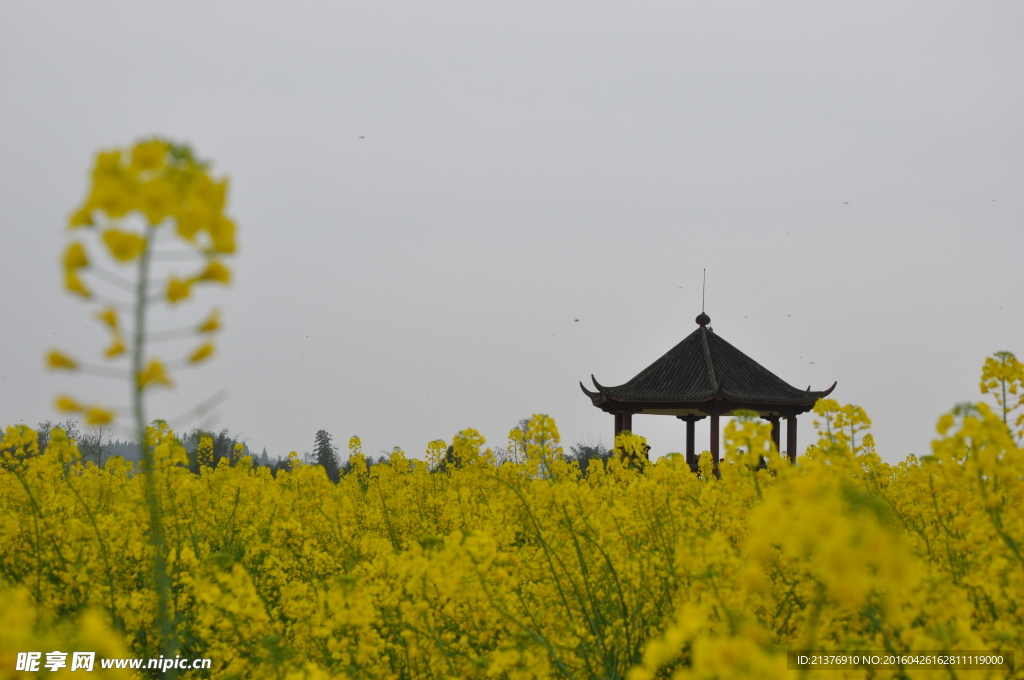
<point>851,177</point>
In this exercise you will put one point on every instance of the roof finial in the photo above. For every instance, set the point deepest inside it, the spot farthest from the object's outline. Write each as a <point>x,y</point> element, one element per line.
<point>703,319</point>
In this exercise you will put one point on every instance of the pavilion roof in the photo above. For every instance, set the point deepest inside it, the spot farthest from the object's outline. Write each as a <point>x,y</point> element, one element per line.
<point>703,367</point>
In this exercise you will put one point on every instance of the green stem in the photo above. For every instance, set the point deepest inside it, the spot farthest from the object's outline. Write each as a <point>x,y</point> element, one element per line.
<point>1005,409</point>
<point>161,581</point>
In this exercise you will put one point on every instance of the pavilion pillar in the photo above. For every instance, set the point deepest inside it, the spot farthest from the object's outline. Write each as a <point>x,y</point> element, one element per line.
<point>627,421</point>
<point>618,426</point>
<point>691,456</point>
<point>791,438</point>
<point>774,420</point>
<point>714,439</point>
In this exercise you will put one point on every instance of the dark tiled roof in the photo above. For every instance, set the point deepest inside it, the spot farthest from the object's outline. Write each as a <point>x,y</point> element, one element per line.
<point>697,368</point>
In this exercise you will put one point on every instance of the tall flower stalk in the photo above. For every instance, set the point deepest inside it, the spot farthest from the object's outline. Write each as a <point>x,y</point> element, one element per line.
<point>135,196</point>
<point>1002,376</point>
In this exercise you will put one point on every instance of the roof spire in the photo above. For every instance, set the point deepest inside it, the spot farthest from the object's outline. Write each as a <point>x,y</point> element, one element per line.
<point>703,319</point>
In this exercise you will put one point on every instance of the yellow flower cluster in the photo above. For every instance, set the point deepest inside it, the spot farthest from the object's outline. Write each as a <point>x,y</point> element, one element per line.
<point>162,181</point>
<point>26,628</point>
<point>162,185</point>
<point>464,569</point>
<point>1002,376</point>
<point>631,449</point>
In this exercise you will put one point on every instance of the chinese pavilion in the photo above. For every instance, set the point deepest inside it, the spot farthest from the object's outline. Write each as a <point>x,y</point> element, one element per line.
<point>705,376</point>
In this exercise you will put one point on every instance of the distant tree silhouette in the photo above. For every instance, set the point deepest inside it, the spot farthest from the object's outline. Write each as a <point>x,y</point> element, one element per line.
<point>43,430</point>
<point>585,452</point>
<point>94,442</point>
<point>326,455</point>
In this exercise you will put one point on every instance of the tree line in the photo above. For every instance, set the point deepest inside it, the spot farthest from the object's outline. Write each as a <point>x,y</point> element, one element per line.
<point>207,448</point>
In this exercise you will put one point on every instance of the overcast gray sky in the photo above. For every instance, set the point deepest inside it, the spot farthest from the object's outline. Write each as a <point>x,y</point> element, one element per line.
<point>429,195</point>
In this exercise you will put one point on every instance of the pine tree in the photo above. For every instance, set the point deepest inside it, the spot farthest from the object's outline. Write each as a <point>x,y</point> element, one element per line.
<point>326,454</point>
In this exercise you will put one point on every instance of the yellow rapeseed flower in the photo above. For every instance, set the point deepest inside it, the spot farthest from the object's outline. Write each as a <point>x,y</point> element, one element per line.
<point>209,193</point>
<point>202,352</point>
<point>115,348</point>
<point>1002,376</point>
<point>216,271</point>
<point>74,284</point>
<point>156,200</point>
<point>114,195</point>
<point>75,257</point>
<point>154,374</point>
<point>124,246</point>
<point>222,234</point>
<point>149,155</point>
<point>95,415</point>
<point>59,361</point>
<point>109,317</point>
<point>204,451</point>
<point>178,289</point>
<point>81,217</point>
<point>68,404</point>
<point>211,324</point>
<point>190,221</point>
<point>107,163</point>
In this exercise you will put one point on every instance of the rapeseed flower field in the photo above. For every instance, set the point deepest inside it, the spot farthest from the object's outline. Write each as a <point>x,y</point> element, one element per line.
<point>524,570</point>
<point>449,565</point>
